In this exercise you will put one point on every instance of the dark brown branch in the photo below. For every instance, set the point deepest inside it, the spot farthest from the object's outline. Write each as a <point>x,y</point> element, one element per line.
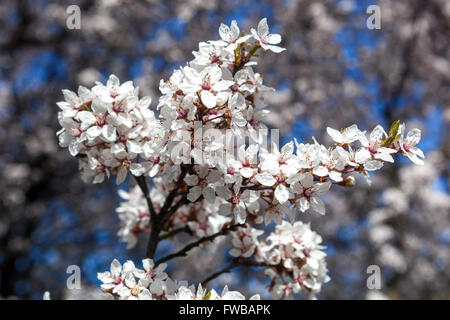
<point>173,232</point>
<point>227,269</point>
<point>237,262</point>
<point>144,188</point>
<point>153,241</point>
<point>256,187</point>
<point>171,211</point>
<point>164,214</point>
<point>183,252</point>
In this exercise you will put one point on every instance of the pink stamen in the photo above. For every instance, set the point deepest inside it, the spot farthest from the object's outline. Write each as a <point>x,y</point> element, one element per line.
<point>407,147</point>
<point>373,149</point>
<point>307,193</point>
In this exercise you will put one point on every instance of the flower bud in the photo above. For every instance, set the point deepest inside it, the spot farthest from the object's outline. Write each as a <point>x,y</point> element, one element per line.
<point>349,182</point>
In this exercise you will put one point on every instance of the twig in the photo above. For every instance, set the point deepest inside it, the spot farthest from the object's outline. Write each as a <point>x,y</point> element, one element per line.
<point>173,232</point>
<point>227,269</point>
<point>144,188</point>
<point>256,187</point>
<point>237,262</point>
<point>183,252</point>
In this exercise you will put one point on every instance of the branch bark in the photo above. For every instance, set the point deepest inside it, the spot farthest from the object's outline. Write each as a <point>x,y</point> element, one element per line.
<point>173,232</point>
<point>237,262</point>
<point>183,252</point>
<point>144,188</point>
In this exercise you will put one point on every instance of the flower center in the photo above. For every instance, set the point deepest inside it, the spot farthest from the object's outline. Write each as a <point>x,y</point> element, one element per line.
<point>307,193</point>
<point>373,149</point>
<point>183,114</point>
<point>254,123</point>
<point>214,58</point>
<point>407,147</point>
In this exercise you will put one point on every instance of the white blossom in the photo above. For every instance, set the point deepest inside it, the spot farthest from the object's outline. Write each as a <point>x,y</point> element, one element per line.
<point>267,40</point>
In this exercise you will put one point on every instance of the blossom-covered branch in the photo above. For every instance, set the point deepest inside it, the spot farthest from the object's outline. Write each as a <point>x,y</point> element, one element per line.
<point>206,178</point>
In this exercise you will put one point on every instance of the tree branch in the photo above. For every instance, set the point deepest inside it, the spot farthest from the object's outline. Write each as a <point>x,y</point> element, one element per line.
<point>173,232</point>
<point>144,188</point>
<point>227,269</point>
<point>237,262</point>
<point>183,252</point>
<point>164,214</point>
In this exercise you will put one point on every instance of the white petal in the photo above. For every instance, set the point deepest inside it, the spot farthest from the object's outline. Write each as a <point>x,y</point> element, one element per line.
<point>335,135</point>
<point>157,288</point>
<point>373,165</point>
<point>307,180</point>
<point>336,176</point>
<point>208,99</point>
<point>116,267</point>
<point>113,81</point>
<point>317,205</point>
<point>209,194</point>
<point>282,193</point>
<point>121,175</point>
<point>247,172</point>
<point>320,171</point>
<point>224,32</point>
<point>93,132</point>
<point>413,136</point>
<point>98,107</point>
<point>109,133</point>
<point>222,85</point>
<point>415,159</point>
<point>275,49</point>
<point>322,188</point>
<point>137,169</point>
<point>288,148</point>
<point>377,134</point>
<point>263,28</point>
<point>273,38</point>
<point>266,179</point>
<point>194,193</point>
<point>235,252</point>
<point>87,118</point>
<point>362,155</point>
<point>304,204</point>
<point>147,264</point>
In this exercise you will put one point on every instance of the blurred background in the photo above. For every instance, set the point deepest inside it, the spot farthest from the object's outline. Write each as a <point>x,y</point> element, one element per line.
<point>335,72</point>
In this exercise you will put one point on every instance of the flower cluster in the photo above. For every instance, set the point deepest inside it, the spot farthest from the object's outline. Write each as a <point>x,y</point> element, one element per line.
<point>294,257</point>
<point>130,283</point>
<point>121,282</point>
<point>134,216</point>
<point>107,128</point>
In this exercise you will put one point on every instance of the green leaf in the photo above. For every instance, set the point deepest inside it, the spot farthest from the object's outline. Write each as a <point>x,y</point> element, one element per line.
<point>394,128</point>
<point>207,296</point>
<point>393,133</point>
